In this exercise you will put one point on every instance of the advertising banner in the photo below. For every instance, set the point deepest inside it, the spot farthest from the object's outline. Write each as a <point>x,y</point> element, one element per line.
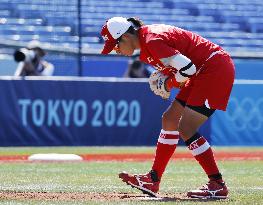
<point>80,111</point>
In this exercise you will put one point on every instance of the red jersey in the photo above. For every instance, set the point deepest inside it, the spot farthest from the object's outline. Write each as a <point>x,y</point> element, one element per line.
<point>161,41</point>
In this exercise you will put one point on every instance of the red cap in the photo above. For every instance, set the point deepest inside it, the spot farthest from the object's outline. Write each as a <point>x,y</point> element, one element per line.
<point>112,30</point>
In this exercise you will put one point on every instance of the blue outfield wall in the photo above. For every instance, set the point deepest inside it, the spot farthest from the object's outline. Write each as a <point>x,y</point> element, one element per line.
<point>110,111</point>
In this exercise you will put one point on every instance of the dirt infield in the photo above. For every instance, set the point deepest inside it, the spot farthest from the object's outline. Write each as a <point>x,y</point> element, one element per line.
<point>63,196</point>
<point>256,155</point>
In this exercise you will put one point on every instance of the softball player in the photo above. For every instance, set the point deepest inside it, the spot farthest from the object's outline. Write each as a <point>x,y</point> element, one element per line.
<point>202,71</point>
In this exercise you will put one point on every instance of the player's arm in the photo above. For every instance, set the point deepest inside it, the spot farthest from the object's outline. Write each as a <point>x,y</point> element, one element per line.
<point>170,57</point>
<point>23,68</point>
<point>183,65</point>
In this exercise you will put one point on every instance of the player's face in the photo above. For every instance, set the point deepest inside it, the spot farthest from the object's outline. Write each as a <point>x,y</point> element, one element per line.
<point>125,46</point>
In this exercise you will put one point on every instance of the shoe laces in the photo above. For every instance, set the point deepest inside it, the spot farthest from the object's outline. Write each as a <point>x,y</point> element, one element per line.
<point>211,184</point>
<point>143,176</point>
<point>150,176</point>
<point>204,187</point>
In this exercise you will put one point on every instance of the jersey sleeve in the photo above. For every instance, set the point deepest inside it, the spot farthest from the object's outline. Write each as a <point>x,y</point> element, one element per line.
<point>159,49</point>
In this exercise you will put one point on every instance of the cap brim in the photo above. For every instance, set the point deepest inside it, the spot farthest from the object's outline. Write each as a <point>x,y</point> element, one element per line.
<point>108,47</point>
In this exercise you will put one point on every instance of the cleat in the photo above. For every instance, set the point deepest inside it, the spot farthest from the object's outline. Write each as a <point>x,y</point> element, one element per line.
<point>212,190</point>
<point>147,183</point>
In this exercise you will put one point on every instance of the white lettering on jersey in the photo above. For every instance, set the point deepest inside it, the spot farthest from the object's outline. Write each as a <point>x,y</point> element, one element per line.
<point>159,67</point>
<point>150,59</point>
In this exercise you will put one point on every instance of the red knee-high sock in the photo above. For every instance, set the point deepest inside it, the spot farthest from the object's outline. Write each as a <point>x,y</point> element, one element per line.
<point>203,153</point>
<point>166,146</point>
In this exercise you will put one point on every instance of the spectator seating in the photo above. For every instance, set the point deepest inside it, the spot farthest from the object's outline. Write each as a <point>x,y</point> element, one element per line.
<point>232,24</point>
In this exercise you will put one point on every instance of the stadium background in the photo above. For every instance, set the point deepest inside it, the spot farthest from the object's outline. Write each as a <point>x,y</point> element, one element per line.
<point>89,103</point>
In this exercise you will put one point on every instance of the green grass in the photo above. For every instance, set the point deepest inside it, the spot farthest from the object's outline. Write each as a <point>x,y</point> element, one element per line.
<point>244,178</point>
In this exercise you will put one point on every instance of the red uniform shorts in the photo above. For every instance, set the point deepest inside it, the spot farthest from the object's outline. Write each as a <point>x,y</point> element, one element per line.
<point>212,85</point>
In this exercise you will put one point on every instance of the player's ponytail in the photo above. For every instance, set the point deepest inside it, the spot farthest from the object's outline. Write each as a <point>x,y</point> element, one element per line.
<point>137,23</point>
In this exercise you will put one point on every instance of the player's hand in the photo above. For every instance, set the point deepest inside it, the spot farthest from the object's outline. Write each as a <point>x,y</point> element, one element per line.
<point>157,82</point>
<point>172,83</point>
